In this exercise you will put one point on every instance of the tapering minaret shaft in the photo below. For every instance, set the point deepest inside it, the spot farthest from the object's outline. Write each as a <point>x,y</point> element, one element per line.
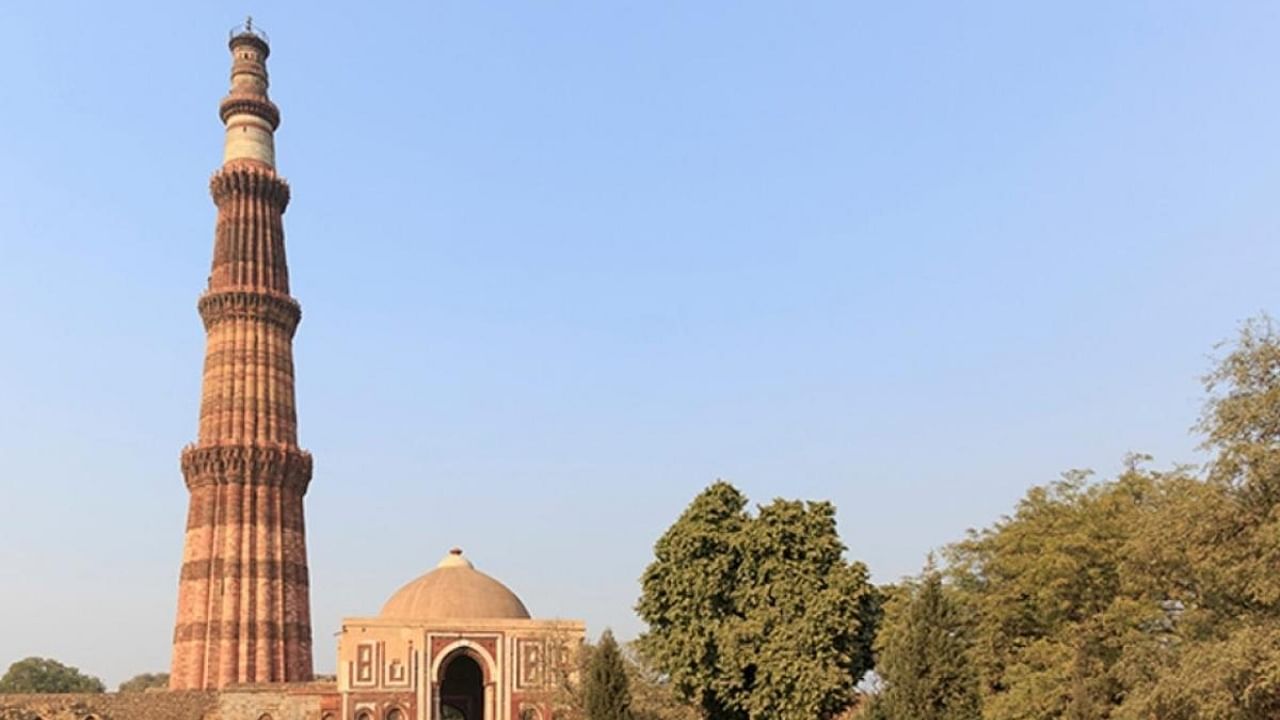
<point>243,601</point>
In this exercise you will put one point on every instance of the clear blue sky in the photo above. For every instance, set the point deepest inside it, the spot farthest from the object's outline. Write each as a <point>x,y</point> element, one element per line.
<point>563,264</point>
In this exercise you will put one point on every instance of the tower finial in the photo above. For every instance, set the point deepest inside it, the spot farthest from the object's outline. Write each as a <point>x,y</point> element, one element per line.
<point>248,23</point>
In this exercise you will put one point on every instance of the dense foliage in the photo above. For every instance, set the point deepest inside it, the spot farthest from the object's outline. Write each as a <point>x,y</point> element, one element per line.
<point>1055,612</point>
<point>757,616</point>
<point>42,675</point>
<point>145,681</point>
<point>606,692</point>
<point>1149,595</point>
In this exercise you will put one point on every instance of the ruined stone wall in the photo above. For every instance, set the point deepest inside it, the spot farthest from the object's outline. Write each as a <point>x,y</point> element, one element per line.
<point>288,702</point>
<point>110,706</point>
<point>304,701</point>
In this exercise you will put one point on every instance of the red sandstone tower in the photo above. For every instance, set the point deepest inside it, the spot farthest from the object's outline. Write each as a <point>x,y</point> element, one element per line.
<point>244,612</point>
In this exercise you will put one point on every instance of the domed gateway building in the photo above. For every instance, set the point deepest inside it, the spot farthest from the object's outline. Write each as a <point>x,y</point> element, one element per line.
<point>454,644</point>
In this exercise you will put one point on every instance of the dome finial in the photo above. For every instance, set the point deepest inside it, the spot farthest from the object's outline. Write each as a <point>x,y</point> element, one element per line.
<point>455,560</point>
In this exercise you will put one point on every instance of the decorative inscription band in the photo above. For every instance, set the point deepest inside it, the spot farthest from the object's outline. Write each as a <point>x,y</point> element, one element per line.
<point>266,569</point>
<point>275,360</point>
<point>289,523</point>
<point>263,630</point>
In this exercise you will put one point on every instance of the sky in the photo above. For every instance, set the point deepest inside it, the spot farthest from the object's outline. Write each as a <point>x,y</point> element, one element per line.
<point>564,264</point>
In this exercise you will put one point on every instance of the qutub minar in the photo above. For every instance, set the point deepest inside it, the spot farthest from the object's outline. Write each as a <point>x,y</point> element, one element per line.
<point>452,644</point>
<point>243,604</point>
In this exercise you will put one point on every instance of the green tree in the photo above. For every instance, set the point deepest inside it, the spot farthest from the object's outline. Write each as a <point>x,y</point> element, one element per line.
<point>757,616</point>
<point>144,682</point>
<point>923,656</point>
<point>1053,608</point>
<point>687,598</point>
<point>1211,553</point>
<point>1151,595</point>
<point>606,690</point>
<point>42,675</point>
<point>807,616</point>
<point>1241,418</point>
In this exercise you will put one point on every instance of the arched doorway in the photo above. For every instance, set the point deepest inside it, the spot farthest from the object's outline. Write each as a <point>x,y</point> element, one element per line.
<point>462,689</point>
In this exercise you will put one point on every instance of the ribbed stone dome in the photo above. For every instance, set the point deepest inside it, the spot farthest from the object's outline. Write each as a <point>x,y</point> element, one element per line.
<point>455,590</point>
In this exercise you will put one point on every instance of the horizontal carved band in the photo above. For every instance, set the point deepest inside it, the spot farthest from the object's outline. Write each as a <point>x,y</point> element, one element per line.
<point>290,524</point>
<point>270,358</point>
<point>250,105</point>
<point>285,467</point>
<point>262,410</point>
<point>263,630</point>
<point>279,310</point>
<point>254,180</point>
<point>294,573</point>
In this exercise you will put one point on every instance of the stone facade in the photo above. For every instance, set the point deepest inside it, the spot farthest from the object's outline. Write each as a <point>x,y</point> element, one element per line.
<point>244,611</point>
<point>387,665</point>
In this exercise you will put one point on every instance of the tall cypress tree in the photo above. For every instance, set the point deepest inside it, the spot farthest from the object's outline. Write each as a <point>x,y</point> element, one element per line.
<point>605,691</point>
<point>923,657</point>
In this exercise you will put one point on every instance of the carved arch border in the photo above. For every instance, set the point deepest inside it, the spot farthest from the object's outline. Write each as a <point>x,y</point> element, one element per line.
<point>488,665</point>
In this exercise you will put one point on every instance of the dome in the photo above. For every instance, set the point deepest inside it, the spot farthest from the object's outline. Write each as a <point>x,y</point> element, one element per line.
<point>455,590</point>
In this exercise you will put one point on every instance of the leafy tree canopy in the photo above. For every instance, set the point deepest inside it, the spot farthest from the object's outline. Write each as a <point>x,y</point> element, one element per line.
<point>1149,595</point>
<point>758,615</point>
<point>42,675</point>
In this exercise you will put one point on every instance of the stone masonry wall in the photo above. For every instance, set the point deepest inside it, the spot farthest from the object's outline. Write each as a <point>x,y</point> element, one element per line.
<point>109,706</point>
<point>301,701</point>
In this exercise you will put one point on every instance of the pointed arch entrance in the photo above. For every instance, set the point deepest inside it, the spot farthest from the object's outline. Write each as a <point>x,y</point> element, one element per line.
<point>462,688</point>
<point>464,684</point>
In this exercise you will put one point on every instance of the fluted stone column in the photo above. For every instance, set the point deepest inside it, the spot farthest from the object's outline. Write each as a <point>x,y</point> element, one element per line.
<point>244,611</point>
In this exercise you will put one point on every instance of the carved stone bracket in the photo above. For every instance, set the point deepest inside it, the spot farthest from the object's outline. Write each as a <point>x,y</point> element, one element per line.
<point>253,180</point>
<point>282,466</point>
<point>279,310</point>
